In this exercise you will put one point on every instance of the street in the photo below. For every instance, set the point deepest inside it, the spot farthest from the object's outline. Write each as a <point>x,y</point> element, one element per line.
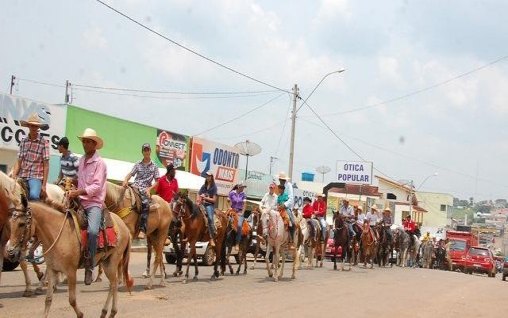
<point>379,292</point>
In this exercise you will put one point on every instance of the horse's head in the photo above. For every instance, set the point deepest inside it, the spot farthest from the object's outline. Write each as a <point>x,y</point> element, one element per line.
<point>338,220</point>
<point>20,225</point>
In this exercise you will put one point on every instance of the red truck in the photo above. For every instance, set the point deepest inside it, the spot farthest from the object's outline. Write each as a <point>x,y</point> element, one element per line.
<point>460,242</point>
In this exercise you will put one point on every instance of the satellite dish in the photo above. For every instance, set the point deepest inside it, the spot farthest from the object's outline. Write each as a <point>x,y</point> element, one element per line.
<point>248,148</point>
<point>323,170</point>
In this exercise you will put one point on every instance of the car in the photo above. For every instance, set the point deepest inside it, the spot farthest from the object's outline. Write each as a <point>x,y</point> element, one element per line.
<point>505,268</point>
<point>330,248</point>
<point>203,252</point>
<point>480,260</point>
<point>251,249</point>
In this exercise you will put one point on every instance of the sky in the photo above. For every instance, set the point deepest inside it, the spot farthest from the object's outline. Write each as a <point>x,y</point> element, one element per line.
<point>424,89</point>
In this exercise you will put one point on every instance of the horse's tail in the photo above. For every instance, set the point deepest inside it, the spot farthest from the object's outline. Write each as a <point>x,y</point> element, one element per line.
<point>129,281</point>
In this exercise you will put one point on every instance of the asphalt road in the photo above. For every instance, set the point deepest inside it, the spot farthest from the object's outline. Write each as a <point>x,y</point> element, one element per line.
<point>378,292</point>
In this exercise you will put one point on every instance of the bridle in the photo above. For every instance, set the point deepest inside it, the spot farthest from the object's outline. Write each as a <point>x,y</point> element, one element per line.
<point>26,234</point>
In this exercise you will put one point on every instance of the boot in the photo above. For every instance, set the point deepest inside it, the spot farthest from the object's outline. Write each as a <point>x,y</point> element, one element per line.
<point>88,270</point>
<point>141,235</point>
<point>212,242</point>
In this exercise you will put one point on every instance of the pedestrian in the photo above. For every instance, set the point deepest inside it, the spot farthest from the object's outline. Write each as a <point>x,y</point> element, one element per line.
<point>207,196</point>
<point>237,199</point>
<point>145,172</point>
<point>68,164</point>
<point>92,173</point>
<point>32,164</point>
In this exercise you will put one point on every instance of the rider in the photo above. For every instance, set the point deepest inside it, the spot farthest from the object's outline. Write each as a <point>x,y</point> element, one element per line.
<point>360,218</point>
<point>372,216</point>
<point>387,222</point>
<point>409,227</point>
<point>288,204</point>
<point>319,207</point>
<point>426,237</point>
<point>269,201</point>
<point>237,199</point>
<point>208,196</point>
<point>145,172</point>
<point>166,187</point>
<point>68,163</point>
<point>91,190</point>
<point>347,211</point>
<point>32,164</point>
<point>308,212</point>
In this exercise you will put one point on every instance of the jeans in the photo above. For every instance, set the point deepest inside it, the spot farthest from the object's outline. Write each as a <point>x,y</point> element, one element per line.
<point>34,186</point>
<point>94,218</point>
<point>210,211</point>
<point>351,231</point>
<point>239,228</point>
<point>292,225</point>
<point>322,221</point>
<point>145,207</point>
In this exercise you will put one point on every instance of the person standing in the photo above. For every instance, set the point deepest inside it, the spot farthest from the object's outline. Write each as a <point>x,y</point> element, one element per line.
<point>32,164</point>
<point>68,163</point>
<point>207,196</point>
<point>92,172</point>
<point>237,199</point>
<point>319,207</point>
<point>145,172</point>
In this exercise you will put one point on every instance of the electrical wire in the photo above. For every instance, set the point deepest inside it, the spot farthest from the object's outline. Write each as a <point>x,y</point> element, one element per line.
<point>266,129</point>
<point>284,126</point>
<point>40,82</point>
<point>190,50</point>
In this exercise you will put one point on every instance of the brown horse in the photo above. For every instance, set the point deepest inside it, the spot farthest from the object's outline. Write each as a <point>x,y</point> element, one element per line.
<point>231,240</point>
<point>61,236</point>
<point>4,218</point>
<point>369,245</point>
<point>257,232</point>
<point>123,202</point>
<point>340,239</point>
<point>195,229</point>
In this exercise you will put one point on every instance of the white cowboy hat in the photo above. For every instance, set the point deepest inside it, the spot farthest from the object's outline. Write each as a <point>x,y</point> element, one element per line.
<point>282,176</point>
<point>34,120</point>
<point>89,133</point>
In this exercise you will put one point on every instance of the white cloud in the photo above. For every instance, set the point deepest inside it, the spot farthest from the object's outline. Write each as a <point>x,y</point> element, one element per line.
<point>330,9</point>
<point>93,38</point>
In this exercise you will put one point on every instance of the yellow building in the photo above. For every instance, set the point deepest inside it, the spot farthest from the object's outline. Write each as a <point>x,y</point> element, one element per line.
<point>438,206</point>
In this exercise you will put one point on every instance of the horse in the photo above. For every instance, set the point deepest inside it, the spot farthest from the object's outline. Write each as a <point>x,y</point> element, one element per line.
<point>310,241</point>
<point>277,237</point>
<point>340,239</point>
<point>257,231</point>
<point>231,239</point>
<point>64,249</point>
<point>196,229</point>
<point>384,246</point>
<point>4,218</point>
<point>440,257</point>
<point>123,202</point>
<point>401,245</point>
<point>427,249</point>
<point>368,245</point>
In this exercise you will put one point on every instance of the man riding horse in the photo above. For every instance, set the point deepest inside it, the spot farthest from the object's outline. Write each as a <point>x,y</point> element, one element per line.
<point>145,172</point>
<point>288,204</point>
<point>387,223</point>
<point>410,227</point>
<point>319,207</point>
<point>347,212</point>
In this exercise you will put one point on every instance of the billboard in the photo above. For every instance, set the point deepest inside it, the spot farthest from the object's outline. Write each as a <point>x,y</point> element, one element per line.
<point>172,148</point>
<point>13,109</point>
<point>354,172</point>
<point>220,159</point>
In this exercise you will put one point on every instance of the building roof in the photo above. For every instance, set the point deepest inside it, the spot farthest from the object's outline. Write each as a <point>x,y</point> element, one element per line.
<point>395,183</point>
<point>358,189</point>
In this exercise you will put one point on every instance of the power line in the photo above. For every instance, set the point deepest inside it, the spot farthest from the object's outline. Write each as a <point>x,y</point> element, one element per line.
<point>192,51</point>
<point>284,126</point>
<point>419,91</point>
<point>40,82</point>
<point>251,133</point>
<point>240,116</point>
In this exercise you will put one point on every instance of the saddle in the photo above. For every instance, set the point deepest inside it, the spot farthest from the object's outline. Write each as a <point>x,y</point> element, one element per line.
<point>201,209</point>
<point>285,217</point>
<point>245,226</point>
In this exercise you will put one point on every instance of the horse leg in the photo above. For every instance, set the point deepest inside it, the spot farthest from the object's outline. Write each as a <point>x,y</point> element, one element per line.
<point>147,271</point>
<point>49,294</point>
<point>28,283</point>
<point>196,269</point>
<point>189,259</point>
<point>311,256</point>
<point>267,259</point>
<point>293,274</point>
<point>255,254</point>
<point>276,251</point>
<point>284,251</point>
<point>111,274</point>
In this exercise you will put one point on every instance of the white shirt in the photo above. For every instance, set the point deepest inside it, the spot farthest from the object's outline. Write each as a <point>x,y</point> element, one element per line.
<point>372,217</point>
<point>269,201</point>
<point>346,211</point>
<point>361,218</point>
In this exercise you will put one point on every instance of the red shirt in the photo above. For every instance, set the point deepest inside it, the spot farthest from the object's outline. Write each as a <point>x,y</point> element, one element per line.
<point>409,226</point>
<point>307,211</point>
<point>319,208</point>
<point>166,189</point>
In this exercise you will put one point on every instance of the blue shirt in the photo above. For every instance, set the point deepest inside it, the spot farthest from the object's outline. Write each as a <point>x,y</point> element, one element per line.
<point>209,192</point>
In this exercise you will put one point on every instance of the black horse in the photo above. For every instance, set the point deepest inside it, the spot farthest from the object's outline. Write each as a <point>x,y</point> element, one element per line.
<point>340,239</point>
<point>385,244</point>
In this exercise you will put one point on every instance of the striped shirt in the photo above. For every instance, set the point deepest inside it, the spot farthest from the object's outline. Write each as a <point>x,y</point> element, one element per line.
<point>144,174</point>
<point>69,165</point>
<point>32,154</point>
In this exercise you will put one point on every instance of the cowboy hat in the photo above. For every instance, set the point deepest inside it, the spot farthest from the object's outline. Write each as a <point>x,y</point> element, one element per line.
<point>282,176</point>
<point>34,120</point>
<point>89,133</point>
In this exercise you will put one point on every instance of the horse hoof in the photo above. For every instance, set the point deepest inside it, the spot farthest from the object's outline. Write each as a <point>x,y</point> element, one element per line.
<point>245,272</point>
<point>275,279</point>
<point>38,291</point>
<point>252,267</point>
<point>237,273</point>
<point>184,281</point>
<point>195,278</point>
<point>147,287</point>
<point>98,280</point>
<point>28,293</point>
<point>293,277</point>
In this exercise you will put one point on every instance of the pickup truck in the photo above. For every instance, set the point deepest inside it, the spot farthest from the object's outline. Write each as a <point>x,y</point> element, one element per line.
<point>460,242</point>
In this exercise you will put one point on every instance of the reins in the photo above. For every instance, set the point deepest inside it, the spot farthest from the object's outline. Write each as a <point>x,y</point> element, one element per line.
<point>59,234</point>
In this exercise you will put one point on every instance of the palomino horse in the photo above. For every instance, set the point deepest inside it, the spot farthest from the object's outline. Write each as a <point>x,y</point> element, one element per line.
<point>123,202</point>
<point>63,252</point>
<point>384,246</point>
<point>340,239</point>
<point>368,245</point>
<point>195,229</point>
<point>231,239</point>
<point>400,244</point>
<point>4,218</point>
<point>277,237</point>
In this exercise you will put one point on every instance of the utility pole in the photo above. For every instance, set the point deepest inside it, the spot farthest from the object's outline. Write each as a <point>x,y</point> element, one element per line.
<point>67,96</point>
<point>293,127</point>
<point>13,78</point>
<point>411,199</point>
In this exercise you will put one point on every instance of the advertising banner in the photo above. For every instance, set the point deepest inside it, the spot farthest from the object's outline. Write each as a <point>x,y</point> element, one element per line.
<point>13,109</point>
<point>354,172</point>
<point>172,148</point>
<point>220,159</point>
<point>299,195</point>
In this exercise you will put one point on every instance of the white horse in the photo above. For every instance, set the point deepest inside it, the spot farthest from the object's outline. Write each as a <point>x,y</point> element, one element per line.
<point>309,243</point>
<point>277,238</point>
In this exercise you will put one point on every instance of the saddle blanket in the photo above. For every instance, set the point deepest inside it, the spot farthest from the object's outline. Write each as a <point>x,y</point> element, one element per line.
<point>108,233</point>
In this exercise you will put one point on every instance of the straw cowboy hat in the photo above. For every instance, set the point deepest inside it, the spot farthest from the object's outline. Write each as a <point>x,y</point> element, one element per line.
<point>34,120</point>
<point>89,133</point>
<point>282,176</point>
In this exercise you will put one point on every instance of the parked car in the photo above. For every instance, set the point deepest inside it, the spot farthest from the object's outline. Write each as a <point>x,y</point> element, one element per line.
<point>505,268</point>
<point>252,247</point>
<point>203,252</point>
<point>480,260</point>
<point>330,248</point>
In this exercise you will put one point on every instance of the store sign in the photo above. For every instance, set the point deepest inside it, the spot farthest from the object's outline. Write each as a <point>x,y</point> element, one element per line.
<point>220,159</point>
<point>356,172</point>
<point>13,109</point>
<point>299,194</point>
<point>172,148</point>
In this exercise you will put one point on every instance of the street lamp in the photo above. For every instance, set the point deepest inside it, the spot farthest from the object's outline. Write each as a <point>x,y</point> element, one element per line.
<point>293,118</point>
<point>435,174</point>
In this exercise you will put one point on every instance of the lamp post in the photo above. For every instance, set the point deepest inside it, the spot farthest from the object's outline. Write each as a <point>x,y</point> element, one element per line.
<point>435,174</point>
<point>293,118</point>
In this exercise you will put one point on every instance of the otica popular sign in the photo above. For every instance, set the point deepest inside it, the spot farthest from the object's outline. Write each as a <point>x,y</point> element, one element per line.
<point>357,172</point>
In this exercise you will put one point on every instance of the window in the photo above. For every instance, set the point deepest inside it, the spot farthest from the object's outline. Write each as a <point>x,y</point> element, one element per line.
<point>3,168</point>
<point>443,208</point>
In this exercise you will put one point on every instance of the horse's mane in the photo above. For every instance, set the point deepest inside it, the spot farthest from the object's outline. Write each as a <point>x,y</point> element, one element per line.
<point>12,188</point>
<point>191,206</point>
